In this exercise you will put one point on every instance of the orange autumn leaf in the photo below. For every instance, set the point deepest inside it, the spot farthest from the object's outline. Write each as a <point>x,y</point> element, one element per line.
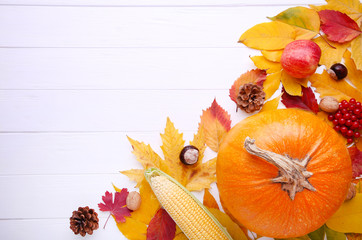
<point>195,177</point>
<point>256,76</point>
<point>209,200</point>
<point>216,123</point>
<point>341,90</point>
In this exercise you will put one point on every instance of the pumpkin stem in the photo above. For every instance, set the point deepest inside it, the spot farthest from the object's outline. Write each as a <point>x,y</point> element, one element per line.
<point>293,174</point>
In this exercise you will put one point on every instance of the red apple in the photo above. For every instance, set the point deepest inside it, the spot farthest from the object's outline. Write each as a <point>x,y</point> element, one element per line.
<point>300,58</point>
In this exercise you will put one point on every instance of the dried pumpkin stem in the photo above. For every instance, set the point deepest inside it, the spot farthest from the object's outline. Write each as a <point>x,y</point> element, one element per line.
<point>293,174</point>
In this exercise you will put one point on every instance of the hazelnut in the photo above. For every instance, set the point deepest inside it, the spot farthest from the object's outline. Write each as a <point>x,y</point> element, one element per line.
<point>338,71</point>
<point>351,192</point>
<point>189,155</point>
<point>133,201</point>
<point>329,104</point>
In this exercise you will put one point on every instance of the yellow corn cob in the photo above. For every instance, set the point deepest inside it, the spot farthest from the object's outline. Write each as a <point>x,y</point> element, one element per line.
<point>196,222</point>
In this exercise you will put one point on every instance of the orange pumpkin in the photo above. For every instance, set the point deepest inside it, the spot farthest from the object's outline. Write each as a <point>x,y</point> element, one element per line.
<point>290,180</point>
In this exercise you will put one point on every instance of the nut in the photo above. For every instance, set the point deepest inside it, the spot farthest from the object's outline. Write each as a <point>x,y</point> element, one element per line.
<point>338,71</point>
<point>329,104</point>
<point>351,192</point>
<point>133,201</point>
<point>189,155</point>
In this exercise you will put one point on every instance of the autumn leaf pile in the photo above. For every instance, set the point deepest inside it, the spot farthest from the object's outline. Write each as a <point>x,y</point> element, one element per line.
<point>336,28</point>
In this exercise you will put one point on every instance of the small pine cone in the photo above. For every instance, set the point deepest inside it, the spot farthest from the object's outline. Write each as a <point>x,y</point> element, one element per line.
<point>251,97</point>
<point>84,221</point>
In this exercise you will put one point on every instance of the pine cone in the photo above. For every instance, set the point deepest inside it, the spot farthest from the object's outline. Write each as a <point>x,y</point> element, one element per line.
<point>84,221</point>
<point>250,98</point>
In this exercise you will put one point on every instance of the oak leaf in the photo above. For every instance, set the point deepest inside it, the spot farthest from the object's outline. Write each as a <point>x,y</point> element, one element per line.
<point>216,123</point>
<point>354,75</point>
<point>117,206</point>
<point>356,157</point>
<point>307,101</point>
<point>256,76</point>
<point>161,227</point>
<point>330,55</point>
<point>268,36</point>
<point>356,47</point>
<point>338,27</point>
<point>348,217</point>
<point>305,20</point>
<point>327,86</point>
<point>209,200</point>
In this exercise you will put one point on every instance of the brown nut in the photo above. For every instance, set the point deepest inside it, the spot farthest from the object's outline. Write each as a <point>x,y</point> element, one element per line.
<point>189,155</point>
<point>351,192</point>
<point>329,104</point>
<point>133,201</point>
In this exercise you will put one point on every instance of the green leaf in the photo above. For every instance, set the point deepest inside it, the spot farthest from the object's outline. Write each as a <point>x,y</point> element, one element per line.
<point>333,235</point>
<point>305,20</point>
<point>318,234</point>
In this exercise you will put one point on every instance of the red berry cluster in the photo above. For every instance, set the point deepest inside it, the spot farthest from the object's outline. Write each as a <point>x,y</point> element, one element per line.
<point>348,119</point>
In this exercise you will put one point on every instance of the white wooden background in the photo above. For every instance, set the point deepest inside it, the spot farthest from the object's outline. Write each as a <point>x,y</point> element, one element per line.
<point>77,76</point>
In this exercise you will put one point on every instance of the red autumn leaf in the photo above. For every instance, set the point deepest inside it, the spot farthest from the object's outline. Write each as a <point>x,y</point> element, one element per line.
<point>256,76</point>
<point>338,27</point>
<point>118,207</point>
<point>307,101</point>
<point>356,157</point>
<point>161,226</point>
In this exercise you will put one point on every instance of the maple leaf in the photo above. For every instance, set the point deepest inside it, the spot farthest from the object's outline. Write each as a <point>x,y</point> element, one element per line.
<point>356,157</point>
<point>256,76</point>
<point>338,26</point>
<point>307,101</point>
<point>216,123</point>
<point>268,36</point>
<point>118,207</point>
<point>327,86</point>
<point>195,177</point>
<point>161,227</point>
<point>305,20</point>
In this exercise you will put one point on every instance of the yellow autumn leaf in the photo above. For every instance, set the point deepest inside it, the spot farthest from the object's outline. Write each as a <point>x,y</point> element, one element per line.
<point>135,227</point>
<point>341,90</point>
<point>233,229</point>
<point>172,145</point>
<point>354,75</point>
<point>291,85</point>
<point>271,84</point>
<point>180,236</point>
<point>330,55</point>
<point>272,55</point>
<point>263,63</point>
<point>268,36</point>
<point>356,47</point>
<point>209,200</point>
<point>348,217</point>
<point>305,20</point>
<point>216,123</point>
<point>135,175</point>
<point>271,105</point>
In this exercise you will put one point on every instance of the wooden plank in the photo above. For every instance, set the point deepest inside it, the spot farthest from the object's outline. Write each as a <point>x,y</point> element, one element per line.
<point>122,68</point>
<point>55,229</point>
<point>115,3</point>
<point>106,110</point>
<point>42,26</point>
<point>56,196</point>
<point>75,153</point>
